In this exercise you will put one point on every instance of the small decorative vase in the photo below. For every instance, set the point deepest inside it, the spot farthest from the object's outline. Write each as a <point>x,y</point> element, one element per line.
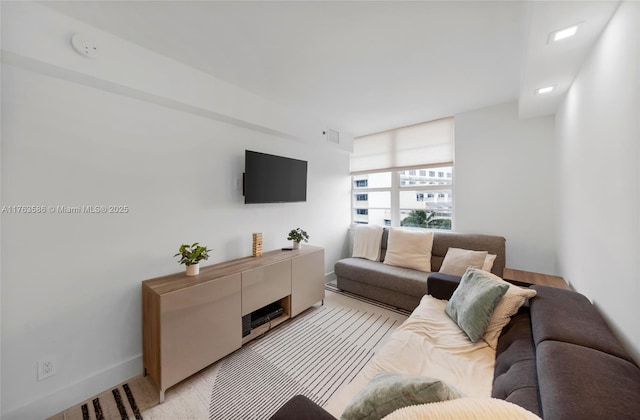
<point>296,245</point>
<point>193,269</point>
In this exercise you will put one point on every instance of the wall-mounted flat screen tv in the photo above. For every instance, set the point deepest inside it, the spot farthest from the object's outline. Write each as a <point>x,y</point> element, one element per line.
<point>273,179</point>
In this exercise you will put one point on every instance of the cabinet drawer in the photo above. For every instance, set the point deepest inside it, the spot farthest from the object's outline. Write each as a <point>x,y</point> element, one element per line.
<point>265,285</point>
<point>200,325</point>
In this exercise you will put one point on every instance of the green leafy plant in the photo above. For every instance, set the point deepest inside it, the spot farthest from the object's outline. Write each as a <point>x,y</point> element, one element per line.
<point>192,254</point>
<point>298,235</point>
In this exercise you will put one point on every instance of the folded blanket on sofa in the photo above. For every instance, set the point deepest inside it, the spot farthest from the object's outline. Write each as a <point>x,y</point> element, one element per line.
<point>366,242</point>
<point>427,344</point>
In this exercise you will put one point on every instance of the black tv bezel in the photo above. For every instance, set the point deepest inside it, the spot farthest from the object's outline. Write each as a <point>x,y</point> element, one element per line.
<point>284,159</point>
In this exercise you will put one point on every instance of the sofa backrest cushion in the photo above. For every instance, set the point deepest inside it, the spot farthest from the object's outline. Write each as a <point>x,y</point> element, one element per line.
<point>568,316</point>
<point>579,382</point>
<point>442,241</point>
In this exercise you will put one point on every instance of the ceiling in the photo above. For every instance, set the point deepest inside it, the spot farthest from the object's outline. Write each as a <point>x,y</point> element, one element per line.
<point>367,66</point>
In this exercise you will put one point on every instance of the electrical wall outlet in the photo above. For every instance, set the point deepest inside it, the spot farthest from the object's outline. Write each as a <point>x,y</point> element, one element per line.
<point>46,367</point>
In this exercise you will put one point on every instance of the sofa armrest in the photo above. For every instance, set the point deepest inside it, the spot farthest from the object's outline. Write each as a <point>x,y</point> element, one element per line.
<point>301,408</point>
<point>441,286</point>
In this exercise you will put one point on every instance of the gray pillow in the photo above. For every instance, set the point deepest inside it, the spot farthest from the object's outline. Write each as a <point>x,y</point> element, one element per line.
<point>388,392</point>
<point>473,302</point>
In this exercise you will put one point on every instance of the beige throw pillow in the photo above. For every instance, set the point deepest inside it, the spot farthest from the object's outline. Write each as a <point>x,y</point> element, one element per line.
<point>409,249</point>
<point>507,307</point>
<point>488,262</point>
<point>457,260</point>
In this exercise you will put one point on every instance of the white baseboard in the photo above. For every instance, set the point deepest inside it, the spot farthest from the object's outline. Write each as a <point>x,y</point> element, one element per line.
<point>74,394</point>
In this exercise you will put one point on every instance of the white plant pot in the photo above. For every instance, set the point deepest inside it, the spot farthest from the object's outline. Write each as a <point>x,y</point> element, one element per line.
<point>193,269</point>
<point>297,245</point>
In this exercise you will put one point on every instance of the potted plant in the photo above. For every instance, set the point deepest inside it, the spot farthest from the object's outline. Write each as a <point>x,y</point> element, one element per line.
<point>297,236</point>
<point>191,255</point>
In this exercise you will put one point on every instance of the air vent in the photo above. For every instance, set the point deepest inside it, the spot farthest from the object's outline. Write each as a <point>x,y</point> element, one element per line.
<point>333,136</point>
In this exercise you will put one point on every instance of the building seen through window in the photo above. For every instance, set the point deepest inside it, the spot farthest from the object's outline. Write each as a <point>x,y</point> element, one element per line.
<point>423,197</point>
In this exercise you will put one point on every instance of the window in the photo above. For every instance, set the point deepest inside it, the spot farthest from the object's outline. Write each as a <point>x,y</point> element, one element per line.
<point>394,176</point>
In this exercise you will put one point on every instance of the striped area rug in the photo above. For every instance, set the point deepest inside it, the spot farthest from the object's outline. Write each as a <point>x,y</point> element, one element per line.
<point>126,401</point>
<point>127,408</point>
<point>311,355</point>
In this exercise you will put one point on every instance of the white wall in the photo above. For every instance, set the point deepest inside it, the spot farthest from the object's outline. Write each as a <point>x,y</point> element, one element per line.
<point>598,136</point>
<point>505,183</point>
<point>76,136</point>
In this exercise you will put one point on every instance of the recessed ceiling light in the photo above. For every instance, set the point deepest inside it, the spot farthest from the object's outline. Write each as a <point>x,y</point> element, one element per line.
<point>543,90</point>
<point>564,33</point>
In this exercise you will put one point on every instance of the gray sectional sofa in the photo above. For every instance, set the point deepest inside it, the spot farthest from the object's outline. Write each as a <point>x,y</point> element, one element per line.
<point>556,358</point>
<point>404,287</point>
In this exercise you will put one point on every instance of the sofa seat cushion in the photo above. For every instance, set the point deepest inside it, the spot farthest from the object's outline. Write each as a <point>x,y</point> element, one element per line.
<point>568,316</point>
<point>400,279</point>
<point>515,375</point>
<point>578,382</point>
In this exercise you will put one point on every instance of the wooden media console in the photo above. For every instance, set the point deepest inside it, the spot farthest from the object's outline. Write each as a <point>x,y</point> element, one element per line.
<point>189,323</point>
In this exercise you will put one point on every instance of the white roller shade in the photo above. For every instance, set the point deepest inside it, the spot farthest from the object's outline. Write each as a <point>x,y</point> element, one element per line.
<point>416,146</point>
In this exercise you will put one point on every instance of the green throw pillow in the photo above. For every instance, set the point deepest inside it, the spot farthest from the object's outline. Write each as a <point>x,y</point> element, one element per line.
<point>388,392</point>
<point>473,302</point>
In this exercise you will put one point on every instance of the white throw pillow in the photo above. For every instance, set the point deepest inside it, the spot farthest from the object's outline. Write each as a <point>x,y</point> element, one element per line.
<point>457,260</point>
<point>507,307</point>
<point>409,249</point>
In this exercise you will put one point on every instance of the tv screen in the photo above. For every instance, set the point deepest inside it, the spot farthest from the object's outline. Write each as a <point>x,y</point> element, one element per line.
<point>273,179</point>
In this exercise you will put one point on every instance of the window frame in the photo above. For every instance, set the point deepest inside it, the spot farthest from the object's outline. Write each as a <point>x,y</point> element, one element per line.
<point>395,189</point>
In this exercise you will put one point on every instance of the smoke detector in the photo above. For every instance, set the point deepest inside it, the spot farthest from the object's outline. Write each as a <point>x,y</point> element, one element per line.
<point>85,45</point>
